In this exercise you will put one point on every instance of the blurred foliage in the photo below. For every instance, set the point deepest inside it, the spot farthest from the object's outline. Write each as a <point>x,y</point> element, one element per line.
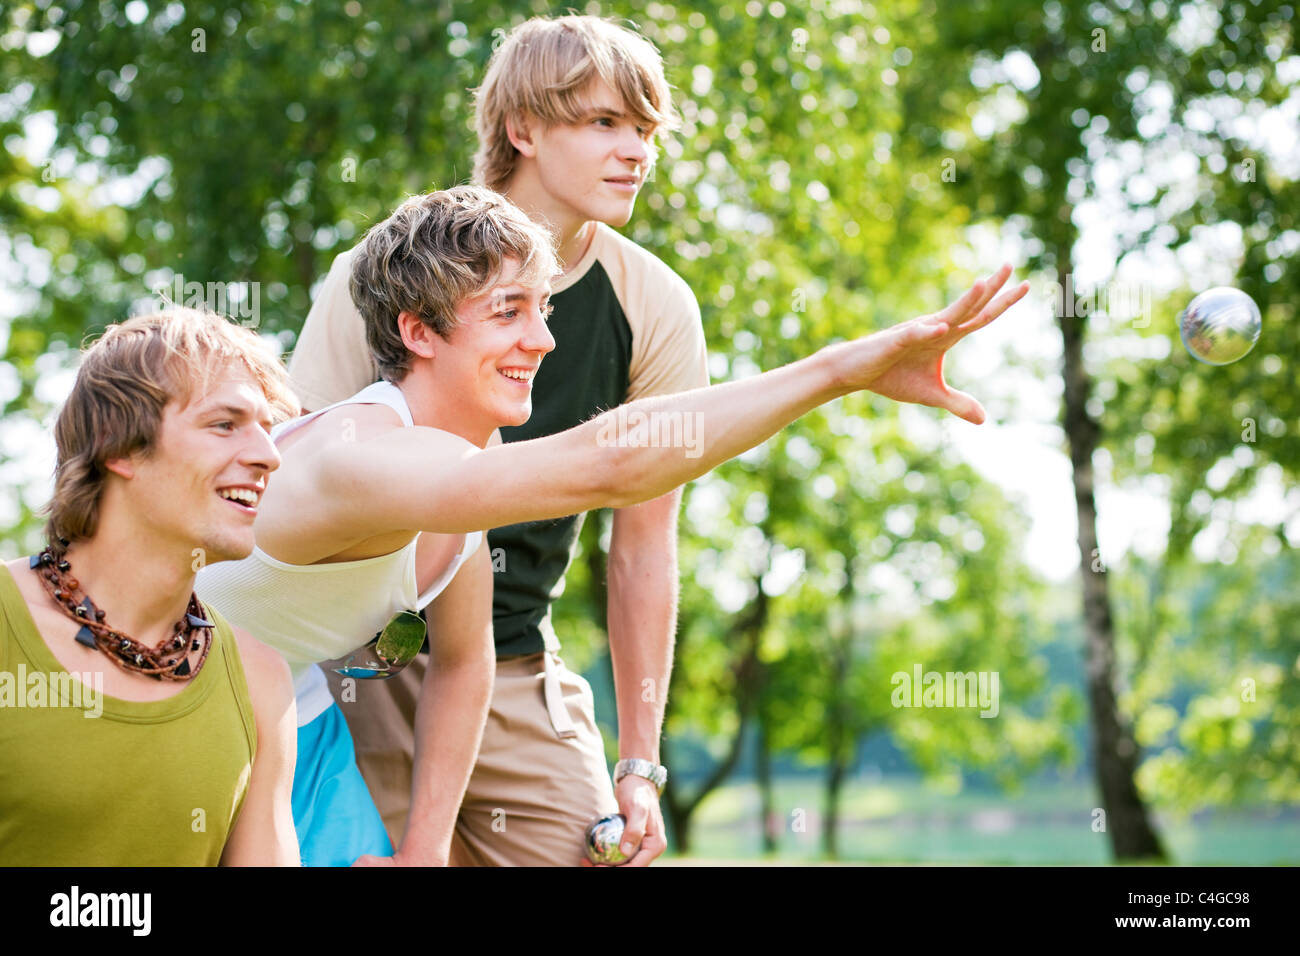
<point>804,200</point>
<point>1154,115</point>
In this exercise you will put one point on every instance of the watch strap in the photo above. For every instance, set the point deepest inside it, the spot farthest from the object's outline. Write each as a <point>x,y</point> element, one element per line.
<point>636,767</point>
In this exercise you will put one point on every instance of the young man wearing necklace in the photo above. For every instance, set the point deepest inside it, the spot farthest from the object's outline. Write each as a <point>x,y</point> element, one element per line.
<point>567,117</point>
<point>163,452</point>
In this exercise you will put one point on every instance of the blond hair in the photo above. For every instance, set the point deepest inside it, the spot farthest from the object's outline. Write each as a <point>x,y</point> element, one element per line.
<point>434,252</point>
<point>126,380</point>
<point>543,69</point>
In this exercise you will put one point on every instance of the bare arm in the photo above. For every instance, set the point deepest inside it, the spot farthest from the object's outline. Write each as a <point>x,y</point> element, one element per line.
<point>264,833</point>
<point>452,712</point>
<point>642,616</point>
<point>436,482</point>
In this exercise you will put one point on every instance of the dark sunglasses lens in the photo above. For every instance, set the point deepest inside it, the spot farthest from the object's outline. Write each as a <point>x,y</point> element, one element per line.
<point>391,649</point>
<point>401,640</point>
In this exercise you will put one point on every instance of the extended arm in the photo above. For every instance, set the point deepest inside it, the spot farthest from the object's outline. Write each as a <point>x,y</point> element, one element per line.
<point>435,482</point>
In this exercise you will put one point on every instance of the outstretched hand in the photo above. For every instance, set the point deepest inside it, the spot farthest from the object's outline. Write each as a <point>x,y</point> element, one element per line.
<point>908,364</point>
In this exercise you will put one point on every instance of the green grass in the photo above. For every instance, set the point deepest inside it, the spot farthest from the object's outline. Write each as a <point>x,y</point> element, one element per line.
<point>903,821</point>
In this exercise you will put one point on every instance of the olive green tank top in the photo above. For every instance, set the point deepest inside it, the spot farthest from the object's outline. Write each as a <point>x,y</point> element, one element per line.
<point>91,780</point>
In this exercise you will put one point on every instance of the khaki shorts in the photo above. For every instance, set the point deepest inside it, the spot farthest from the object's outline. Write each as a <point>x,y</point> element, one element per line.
<point>541,776</point>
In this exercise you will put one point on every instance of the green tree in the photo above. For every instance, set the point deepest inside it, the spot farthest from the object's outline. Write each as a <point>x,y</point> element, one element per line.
<point>913,562</point>
<point>1110,82</point>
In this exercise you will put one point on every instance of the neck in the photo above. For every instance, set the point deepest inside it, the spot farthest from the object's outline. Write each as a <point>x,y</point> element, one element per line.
<point>143,586</point>
<point>430,408</point>
<point>571,231</point>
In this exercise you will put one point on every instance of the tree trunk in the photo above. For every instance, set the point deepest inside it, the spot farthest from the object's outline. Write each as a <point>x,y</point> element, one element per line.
<point>677,813</point>
<point>831,813</point>
<point>763,770</point>
<point>835,744</point>
<point>1115,750</point>
<point>745,631</point>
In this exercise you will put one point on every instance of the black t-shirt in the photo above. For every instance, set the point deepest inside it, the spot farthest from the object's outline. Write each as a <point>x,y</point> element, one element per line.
<point>586,374</point>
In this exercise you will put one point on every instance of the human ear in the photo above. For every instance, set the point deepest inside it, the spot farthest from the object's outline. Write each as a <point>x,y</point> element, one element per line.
<point>519,130</point>
<point>122,467</point>
<point>417,336</point>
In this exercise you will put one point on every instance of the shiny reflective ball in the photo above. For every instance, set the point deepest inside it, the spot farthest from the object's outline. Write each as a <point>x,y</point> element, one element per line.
<point>603,838</point>
<point>1220,325</point>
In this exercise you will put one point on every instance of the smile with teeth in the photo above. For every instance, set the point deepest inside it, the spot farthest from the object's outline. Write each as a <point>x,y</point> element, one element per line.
<point>243,496</point>
<point>518,374</point>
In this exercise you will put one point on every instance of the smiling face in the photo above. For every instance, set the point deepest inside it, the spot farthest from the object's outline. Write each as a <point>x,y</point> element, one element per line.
<point>489,359</point>
<point>593,169</point>
<point>200,484</point>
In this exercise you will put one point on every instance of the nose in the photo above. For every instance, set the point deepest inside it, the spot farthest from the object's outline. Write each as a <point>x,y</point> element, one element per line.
<point>537,336</point>
<point>260,451</point>
<point>633,147</point>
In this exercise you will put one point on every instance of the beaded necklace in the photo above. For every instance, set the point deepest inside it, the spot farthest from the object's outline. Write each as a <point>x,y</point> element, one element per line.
<point>167,661</point>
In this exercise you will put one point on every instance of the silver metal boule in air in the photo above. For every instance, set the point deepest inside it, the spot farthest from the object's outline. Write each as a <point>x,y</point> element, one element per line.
<point>1220,325</point>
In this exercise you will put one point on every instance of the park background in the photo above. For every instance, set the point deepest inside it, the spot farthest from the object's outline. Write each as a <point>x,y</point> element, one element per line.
<point>1118,542</point>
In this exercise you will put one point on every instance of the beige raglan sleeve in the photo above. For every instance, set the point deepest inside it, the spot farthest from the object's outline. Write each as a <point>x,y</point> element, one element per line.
<point>668,349</point>
<point>331,360</point>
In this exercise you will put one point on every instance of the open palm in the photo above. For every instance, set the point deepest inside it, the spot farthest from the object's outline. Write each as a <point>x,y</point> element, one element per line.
<point>917,348</point>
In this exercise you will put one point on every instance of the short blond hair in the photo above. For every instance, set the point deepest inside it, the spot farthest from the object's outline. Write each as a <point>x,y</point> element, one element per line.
<point>434,252</point>
<point>543,68</point>
<point>126,380</point>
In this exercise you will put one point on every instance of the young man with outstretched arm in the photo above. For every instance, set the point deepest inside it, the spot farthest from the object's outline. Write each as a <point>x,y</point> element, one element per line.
<point>453,292</point>
<point>567,118</point>
<point>189,756</point>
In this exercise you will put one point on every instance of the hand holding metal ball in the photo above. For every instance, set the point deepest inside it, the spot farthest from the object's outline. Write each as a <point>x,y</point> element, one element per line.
<point>603,838</point>
<point>1220,325</point>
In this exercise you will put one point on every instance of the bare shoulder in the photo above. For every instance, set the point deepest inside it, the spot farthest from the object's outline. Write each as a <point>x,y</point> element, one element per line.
<point>325,450</point>
<point>424,440</point>
<point>29,586</point>
<point>344,425</point>
<point>17,568</point>
<point>265,669</point>
<point>342,431</point>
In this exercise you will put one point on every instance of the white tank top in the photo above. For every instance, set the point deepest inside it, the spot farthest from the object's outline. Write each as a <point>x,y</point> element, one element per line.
<point>317,612</point>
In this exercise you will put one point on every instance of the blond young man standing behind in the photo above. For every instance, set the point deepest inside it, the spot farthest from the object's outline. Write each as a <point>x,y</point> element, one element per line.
<point>567,117</point>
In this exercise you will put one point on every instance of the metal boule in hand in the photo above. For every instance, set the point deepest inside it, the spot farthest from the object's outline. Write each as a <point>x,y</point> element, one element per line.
<point>603,838</point>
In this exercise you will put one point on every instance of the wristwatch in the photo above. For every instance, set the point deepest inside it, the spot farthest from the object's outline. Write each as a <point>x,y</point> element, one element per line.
<point>655,773</point>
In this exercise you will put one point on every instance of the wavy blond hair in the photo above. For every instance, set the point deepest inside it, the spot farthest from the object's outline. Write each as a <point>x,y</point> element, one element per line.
<point>127,379</point>
<point>543,68</point>
<point>434,252</point>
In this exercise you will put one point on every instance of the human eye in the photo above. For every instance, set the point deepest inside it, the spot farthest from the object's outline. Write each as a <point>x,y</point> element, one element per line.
<point>225,425</point>
<point>604,121</point>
